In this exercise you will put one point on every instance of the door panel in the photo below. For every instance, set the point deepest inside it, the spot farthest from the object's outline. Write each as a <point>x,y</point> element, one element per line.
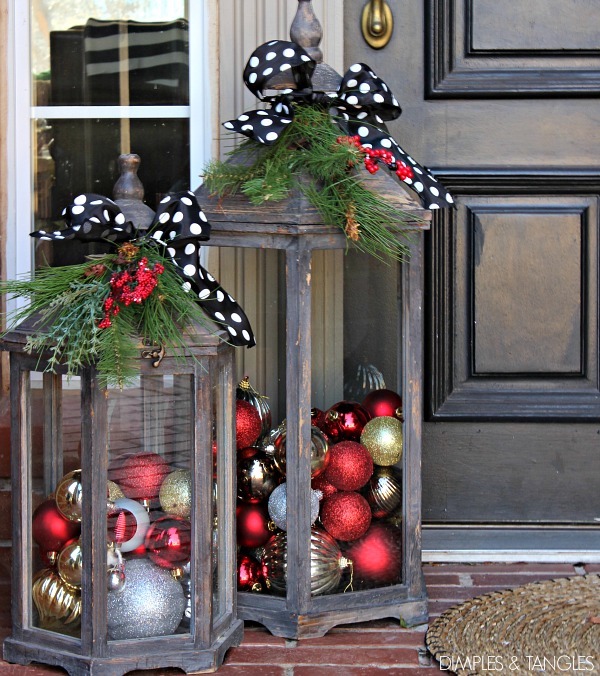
<point>499,100</point>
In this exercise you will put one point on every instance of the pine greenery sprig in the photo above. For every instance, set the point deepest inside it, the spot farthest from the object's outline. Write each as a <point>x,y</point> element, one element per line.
<point>69,306</point>
<point>309,147</point>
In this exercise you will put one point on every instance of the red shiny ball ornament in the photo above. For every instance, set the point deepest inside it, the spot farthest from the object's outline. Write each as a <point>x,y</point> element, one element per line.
<point>384,402</point>
<point>50,529</point>
<point>344,421</point>
<point>377,556</point>
<point>345,515</point>
<point>350,466</point>
<point>140,475</point>
<point>168,542</point>
<point>249,574</point>
<point>248,425</point>
<point>252,525</point>
<point>320,483</point>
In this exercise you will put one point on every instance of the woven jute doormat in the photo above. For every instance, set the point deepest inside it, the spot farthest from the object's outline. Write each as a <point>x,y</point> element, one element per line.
<point>550,627</point>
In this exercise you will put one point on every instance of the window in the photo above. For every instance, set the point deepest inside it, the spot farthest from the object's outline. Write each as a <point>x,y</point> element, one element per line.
<point>93,79</point>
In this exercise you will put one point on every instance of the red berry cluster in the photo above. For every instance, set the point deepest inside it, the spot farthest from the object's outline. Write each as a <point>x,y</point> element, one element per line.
<point>130,286</point>
<point>373,157</point>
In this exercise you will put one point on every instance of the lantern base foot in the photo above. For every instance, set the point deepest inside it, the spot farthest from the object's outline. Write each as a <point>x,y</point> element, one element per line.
<point>280,622</point>
<point>188,660</point>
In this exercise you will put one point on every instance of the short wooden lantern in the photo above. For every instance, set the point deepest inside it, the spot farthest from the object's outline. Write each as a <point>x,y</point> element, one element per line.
<point>311,580</point>
<point>123,536</point>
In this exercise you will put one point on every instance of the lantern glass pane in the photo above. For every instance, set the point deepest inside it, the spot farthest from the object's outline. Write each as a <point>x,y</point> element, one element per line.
<point>354,347</point>
<point>151,442</point>
<point>55,436</point>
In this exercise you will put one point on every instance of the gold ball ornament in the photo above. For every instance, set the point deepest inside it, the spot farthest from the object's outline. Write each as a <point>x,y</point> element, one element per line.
<point>70,564</point>
<point>175,493</point>
<point>68,495</point>
<point>382,437</point>
<point>54,600</point>
<point>113,491</point>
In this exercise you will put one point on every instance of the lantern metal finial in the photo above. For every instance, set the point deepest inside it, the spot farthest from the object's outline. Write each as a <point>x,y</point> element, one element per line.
<point>306,30</point>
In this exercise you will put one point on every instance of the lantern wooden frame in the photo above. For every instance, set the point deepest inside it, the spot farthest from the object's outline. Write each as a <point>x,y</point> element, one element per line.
<point>295,227</point>
<point>208,361</point>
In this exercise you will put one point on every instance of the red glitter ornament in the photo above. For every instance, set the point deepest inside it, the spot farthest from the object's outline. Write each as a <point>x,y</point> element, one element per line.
<point>320,483</point>
<point>384,402</point>
<point>252,525</point>
<point>140,475</point>
<point>377,556</point>
<point>248,425</point>
<point>350,466</point>
<point>346,515</point>
<point>169,542</point>
<point>344,421</point>
<point>50,529</point>
<point>249,574</point>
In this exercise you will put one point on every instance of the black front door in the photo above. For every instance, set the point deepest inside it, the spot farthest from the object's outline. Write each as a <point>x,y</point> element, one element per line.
<point>501,100</point>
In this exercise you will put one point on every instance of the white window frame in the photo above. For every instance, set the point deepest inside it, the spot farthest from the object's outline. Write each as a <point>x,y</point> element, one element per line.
<point>21,114</point>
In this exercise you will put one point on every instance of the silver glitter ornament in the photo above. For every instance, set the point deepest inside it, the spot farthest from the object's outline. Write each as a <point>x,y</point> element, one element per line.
<point>277,505</point>
<point>151,603</point>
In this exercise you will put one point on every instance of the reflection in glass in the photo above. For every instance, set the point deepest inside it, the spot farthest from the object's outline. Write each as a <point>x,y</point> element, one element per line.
<point>115,52</point>
<point>77,156</point>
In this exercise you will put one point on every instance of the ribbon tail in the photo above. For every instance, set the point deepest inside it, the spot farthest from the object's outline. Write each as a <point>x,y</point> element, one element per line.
<point>212,298</point>
<point>431,192</point>
<point>91,218</point>
<point>87,232</point>
<point>264,126</point>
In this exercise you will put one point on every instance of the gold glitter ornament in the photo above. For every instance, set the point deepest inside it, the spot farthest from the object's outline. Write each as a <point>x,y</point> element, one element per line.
<point>175,493</point>
<point>383,438</point>
<point>54,600</point>
<point>113,491</point>
<point>70,564</point>
<point>68,495</point>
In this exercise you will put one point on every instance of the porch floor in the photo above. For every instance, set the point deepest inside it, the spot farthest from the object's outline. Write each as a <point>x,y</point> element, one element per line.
<point>380,647</point>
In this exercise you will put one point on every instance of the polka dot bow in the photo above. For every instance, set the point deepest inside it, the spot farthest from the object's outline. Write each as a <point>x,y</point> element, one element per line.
<point>360,108</point>
<point>179,225</point>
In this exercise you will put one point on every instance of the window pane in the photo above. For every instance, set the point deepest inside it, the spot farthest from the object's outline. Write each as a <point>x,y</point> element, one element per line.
<point>77,156</point>
<point>115,52</point>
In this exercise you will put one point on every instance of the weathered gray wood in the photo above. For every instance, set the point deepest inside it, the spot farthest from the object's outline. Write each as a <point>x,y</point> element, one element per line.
<point>53,445</point>
<point>411,359</point>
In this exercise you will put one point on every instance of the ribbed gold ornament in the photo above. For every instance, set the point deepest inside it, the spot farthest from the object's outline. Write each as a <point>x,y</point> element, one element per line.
<point>326,563</point>
<point>54,600</point>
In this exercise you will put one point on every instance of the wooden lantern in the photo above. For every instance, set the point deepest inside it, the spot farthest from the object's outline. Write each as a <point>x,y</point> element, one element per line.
<point>295,602</point>
<point>123,522</point>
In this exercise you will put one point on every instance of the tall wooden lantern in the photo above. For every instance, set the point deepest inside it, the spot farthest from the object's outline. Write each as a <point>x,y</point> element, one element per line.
<point>123,522</point>
<point>313,581</point>
<point>329,499</point>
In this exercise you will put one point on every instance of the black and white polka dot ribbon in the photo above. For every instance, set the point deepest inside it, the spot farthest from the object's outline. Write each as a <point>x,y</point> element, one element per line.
<point>360,107</point>
<point>179,225</point>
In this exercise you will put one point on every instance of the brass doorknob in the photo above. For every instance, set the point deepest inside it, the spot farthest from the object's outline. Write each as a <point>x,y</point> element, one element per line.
<point>377,23</point>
